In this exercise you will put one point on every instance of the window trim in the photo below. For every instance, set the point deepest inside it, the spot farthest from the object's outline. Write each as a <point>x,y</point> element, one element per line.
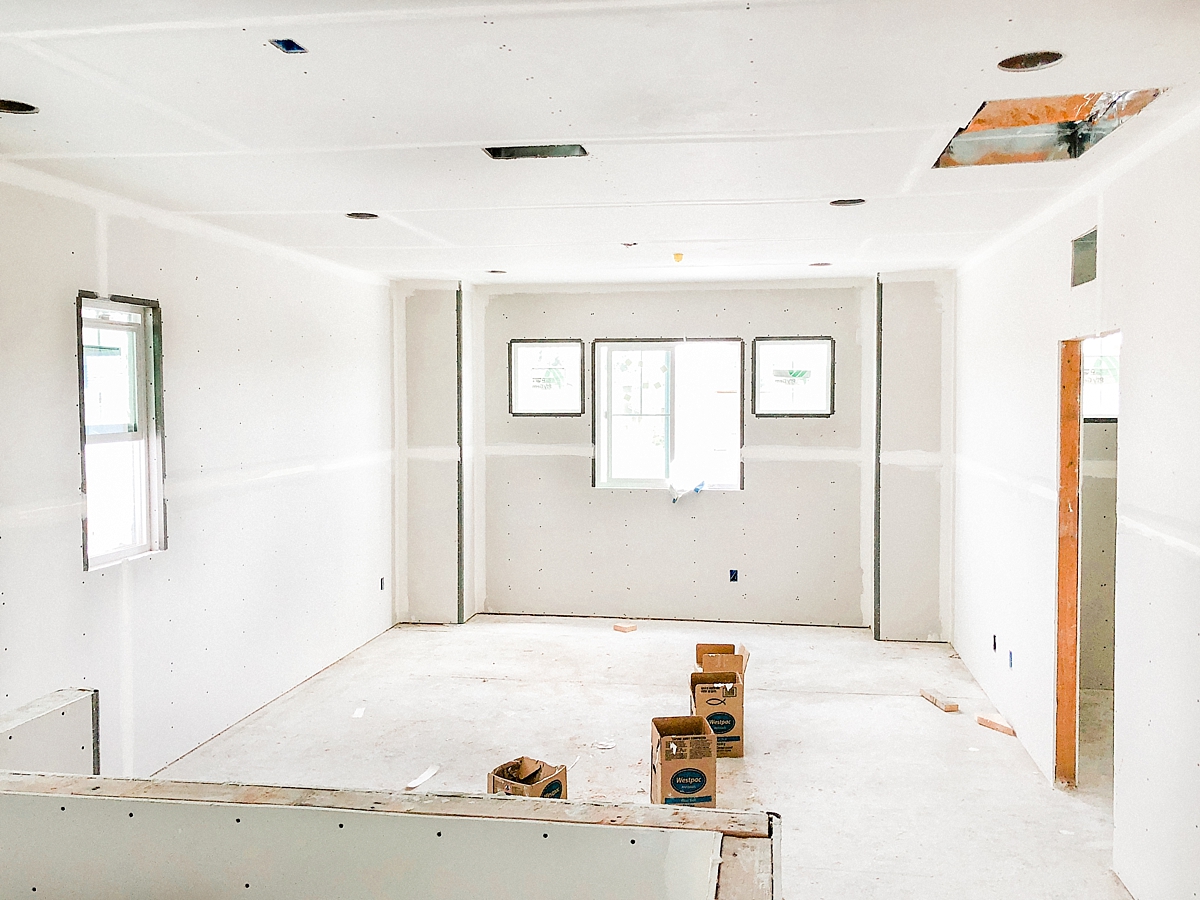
<point>665,484</point>
<point>793,415</point>
<point>582,377</point>
<point>151,382</point>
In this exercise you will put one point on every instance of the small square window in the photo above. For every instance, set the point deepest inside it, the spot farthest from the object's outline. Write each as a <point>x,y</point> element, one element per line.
<point>545,378</point>
<point>793,376</point>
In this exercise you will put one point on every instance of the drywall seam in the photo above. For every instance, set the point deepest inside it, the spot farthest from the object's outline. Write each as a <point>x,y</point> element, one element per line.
<point>114,205</point>
<point>948,294</point>
<point>539,450</point>
<point>478,307</point>
<point>462,550</point>
<point>785,453</point>
<point>1038,488</point>
<point>917,459</point>
<point>445,454</point>
<point>878,445</point>
<point>627,286</point>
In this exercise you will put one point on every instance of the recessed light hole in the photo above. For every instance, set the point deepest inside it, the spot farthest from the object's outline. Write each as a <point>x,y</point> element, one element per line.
<point>1030,62</point>
<point>362,215</point>
<point>16,107</point>
<point>539,151</point>
<point>849,201</point>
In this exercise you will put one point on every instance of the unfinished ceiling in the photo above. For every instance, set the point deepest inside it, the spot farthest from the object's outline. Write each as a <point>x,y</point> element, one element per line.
<point>716,130</point>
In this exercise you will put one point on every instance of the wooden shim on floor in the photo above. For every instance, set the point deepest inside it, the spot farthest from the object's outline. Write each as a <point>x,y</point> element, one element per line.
<point>624,629</point>
<point>942,702</point>
<point>996,723</point>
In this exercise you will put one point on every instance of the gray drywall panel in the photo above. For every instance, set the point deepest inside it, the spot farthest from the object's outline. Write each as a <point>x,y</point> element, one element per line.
<point>558,546</point>
<point>105,848</point>
<point>432,367</point>
<point>1098,556</point>
<point>912,366</point>
<point>56,733</point>
<point>433,540</point>
<point>909,553</point>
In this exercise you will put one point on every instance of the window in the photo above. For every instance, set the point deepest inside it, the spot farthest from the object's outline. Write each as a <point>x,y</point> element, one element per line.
<point>793,376</point>
<point>120,411</point>
<point>1100,395</point>
<point>545,378</point>
<point>668,414</point>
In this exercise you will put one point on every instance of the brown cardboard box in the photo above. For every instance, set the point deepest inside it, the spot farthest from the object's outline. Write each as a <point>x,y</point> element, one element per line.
<point>683,761</point>
<point>719,697</point>
<point>722,658</point>
<point>525,777</point>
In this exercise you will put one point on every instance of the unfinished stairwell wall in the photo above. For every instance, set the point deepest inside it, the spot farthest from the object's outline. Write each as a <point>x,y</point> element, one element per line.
<point>1015,305</point>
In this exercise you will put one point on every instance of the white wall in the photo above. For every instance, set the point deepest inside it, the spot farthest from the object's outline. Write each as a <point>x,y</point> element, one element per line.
<point>277,375</point>
<point>1014,306</point>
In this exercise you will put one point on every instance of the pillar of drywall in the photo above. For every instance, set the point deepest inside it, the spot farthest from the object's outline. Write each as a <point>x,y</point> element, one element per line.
<point>1097,555</point>
<point>432,372</point>
<point>557,545</point>
<point>913,537</point>
<point>59,732</point>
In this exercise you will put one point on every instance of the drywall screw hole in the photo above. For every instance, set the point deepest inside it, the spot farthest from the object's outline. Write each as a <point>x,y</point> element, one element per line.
<point>131,815</point>
<point>63,808</point>
<point>633,840</point>
<point>439,834</point>
<point>545,835</point>
<point>237,820</point>
<point>340,825</point>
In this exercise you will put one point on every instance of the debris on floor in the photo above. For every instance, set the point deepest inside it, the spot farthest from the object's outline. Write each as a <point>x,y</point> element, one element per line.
<point>624,629</point>
<point>421,779</point>
<point>996,722</point>
<point>941,701</point>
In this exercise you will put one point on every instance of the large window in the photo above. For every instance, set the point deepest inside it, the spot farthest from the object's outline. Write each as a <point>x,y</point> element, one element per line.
<point>120,410</point>
<point>669,414</point>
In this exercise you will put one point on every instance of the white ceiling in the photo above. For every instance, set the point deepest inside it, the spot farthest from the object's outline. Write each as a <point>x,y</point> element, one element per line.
<point>716,129</point>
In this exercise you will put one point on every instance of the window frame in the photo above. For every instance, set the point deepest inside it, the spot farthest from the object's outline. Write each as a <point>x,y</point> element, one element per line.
<point>665,484</point>
<point>582,376</point>
<point>793,415</point>
<point>149,405</point>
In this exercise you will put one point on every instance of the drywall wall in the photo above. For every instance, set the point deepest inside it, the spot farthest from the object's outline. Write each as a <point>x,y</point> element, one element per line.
<point>1014,306</point>
<point>277,375</point>
<point>431,336</point>
<point>1097,555</point>
<point>555,544</point>
<point>914,475</point>
<point>59,732</point>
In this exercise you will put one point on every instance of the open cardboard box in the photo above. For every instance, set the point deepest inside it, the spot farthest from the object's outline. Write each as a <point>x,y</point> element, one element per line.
<point>526,777</point>
<point>722,658</point>
<point>719,697</point>
<point>683,761</point>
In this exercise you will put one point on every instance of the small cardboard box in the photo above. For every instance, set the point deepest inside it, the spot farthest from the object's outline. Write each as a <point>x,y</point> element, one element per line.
<point>722,658</point>
<point>525,777</point>
<point>683,761</point>
<point>719,697</point>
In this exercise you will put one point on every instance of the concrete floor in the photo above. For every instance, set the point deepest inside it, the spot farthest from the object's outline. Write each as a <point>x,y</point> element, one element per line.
<point>882,795</point>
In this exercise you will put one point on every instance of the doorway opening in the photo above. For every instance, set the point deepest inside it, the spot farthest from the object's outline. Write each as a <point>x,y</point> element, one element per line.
<point>1089,412</point>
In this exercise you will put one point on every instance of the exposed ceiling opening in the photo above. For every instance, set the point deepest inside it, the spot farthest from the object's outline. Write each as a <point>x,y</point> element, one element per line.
<point>1039,129</point>
<point>17,107</point>
<point>1030,62</point>
<point>287,45</point>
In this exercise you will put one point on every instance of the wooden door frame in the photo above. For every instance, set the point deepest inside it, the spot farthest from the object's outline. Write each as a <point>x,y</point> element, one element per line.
<point>1066,716</point>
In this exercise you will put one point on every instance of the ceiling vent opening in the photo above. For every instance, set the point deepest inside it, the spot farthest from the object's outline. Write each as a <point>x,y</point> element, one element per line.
<point>17,108</point>
<point>1083,259</point>
<point>1039,129</point>
<point>1030,62</point>
<point>287,45</point>
<point>541,151</point>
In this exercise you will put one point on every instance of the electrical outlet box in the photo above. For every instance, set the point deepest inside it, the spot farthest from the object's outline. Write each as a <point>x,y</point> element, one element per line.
<point>733,574</point>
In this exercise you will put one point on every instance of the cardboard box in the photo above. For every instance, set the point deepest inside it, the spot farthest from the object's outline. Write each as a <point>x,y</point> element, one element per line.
<point>722,658</point>
<point>683,761</point>
<point>719,698</point>
<point>525,777</point>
